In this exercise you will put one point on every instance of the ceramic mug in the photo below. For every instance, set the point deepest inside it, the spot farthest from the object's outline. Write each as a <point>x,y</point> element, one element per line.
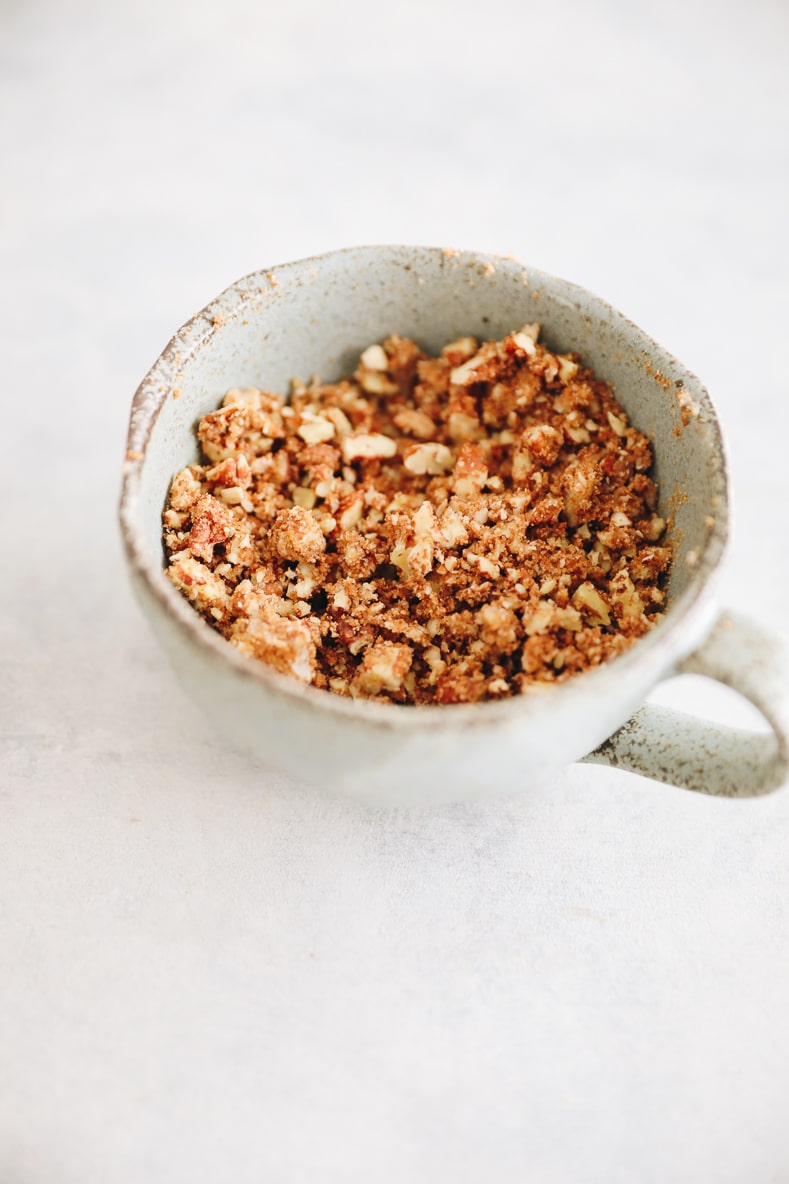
<point>316,315</point>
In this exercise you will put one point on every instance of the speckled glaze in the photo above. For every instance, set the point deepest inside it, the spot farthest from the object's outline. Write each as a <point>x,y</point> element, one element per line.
<point>316,315</point>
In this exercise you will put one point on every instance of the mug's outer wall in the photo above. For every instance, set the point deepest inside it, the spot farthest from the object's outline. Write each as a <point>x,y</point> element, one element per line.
<point>316,316</point>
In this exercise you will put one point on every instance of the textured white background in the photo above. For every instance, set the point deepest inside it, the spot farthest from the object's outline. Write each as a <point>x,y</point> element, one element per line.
<point>205,973</point>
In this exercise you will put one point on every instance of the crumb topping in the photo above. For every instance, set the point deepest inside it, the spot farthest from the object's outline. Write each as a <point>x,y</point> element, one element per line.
<point>428,530</point>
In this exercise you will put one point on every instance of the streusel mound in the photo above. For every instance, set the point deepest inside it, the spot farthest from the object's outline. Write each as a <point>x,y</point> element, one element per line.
<point>429,530</point>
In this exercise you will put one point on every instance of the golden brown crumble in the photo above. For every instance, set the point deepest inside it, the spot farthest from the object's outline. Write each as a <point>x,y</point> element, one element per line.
<point>429,530</point>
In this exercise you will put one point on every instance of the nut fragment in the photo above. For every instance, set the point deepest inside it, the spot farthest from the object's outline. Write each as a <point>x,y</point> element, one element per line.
<point>374,358</point>
<point>617,423</point>
<point>567,368</point>
<point>384,668</point>
<point>580,482</point>
<point>351,512</point>
<point>315,429</point>
<point>525,342</point>
<point>622,593</point>
<point>460,351</point>
<point>465,374</point>
<point>428,458</point>
<point>337,416</point>
<point>485,565</point>
<point>656,527</point>
<point>372,446</point>
<point>463,426</point>
<point>587,599</point>
<point>232,472</point>
<point>233,496</point>
<point>306,498</point>
<point>415,423</point>
<point>375,382</point>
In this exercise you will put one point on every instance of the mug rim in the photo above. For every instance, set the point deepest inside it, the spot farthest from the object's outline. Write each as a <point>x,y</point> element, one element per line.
<point>157,385</point>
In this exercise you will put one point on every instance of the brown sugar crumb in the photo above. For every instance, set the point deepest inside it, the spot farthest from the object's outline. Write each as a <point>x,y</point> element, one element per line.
<point>428,530</point>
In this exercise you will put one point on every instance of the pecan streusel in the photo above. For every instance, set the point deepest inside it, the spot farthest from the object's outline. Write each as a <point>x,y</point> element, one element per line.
<point>429,530</point>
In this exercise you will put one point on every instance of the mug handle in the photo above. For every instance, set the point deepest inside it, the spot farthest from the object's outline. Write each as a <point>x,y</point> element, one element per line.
<point>680,749</point>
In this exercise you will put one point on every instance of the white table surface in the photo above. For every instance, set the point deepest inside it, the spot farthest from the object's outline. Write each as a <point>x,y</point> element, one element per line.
<point>207,974</point>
